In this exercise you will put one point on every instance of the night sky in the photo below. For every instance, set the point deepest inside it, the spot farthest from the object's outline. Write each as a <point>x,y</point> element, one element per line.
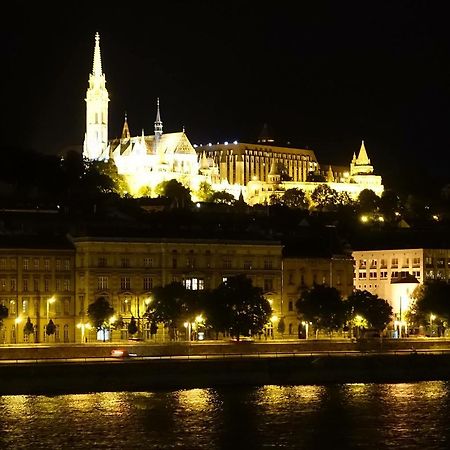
<point>322,75</point>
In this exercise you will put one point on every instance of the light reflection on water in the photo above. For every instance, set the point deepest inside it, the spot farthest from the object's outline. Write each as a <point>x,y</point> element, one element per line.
<point>372,416</point>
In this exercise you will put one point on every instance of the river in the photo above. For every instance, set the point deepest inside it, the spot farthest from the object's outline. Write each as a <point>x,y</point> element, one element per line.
<point>335,416</point>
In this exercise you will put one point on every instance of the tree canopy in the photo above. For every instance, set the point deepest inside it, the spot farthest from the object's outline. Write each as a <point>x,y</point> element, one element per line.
<point>99,312</point>
<point>376,311</point>
<point>239,307</point>
<point>322,306</point>
<point>431,298</point>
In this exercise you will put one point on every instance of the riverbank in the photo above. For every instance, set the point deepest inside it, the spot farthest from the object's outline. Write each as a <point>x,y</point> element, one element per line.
<point>52,378</point>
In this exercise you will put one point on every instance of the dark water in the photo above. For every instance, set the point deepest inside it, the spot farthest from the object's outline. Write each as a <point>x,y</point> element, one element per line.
<point>370,416</point>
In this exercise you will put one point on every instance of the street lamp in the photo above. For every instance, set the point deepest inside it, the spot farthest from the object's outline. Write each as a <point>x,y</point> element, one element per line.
<point>49,301</point>
<point>17,321</point>
<point>432,317</point>
<point>83,326</point>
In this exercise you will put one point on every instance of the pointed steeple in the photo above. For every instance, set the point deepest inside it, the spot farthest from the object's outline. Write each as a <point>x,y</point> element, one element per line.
<point>125,129</point>
<point>158,123</point>
<point>96,139</point>
<point>330,176</point>
<point>363,159</point>
<point>97,66</point>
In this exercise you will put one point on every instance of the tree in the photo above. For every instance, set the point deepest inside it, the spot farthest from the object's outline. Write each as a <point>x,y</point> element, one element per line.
<point>431,299</point>
<point>238,307</point>
<point>28,328</point>
<point>99,312</point>
<point>50,328</point>
<point>281,326</point>
<point>205,191</point>
<point>222,197</point>
<point>295,198</point>
<point>172,305</point>
<point>3,314</point>
<point>368,201</point>
<point>376,311</point>
<point>324,198</point>
<point>132,326</point>
<point>323,306</point>
<point>176,192</point>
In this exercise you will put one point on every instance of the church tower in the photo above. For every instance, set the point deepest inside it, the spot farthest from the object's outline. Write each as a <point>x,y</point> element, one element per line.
<point>96,137</point>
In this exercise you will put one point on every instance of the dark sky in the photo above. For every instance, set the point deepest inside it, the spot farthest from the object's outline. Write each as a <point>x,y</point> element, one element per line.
<point>323,75</point>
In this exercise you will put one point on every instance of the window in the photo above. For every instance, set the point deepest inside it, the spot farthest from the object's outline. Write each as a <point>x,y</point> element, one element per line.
<point>47,285</point>
<point>291,277</point>
<point>67,264</point>
<point>291,305</point>
<point>416,273</point>
<point>101,262</point>
<point>58,285</point>
<point>440,262</point>
<point>124,262</point>
<point>373,274</point>
<point>2,263</point>
<point>362,263</point>
<point>383,275</point>
<point>373,263</point>
<point>26,264</point>
<point>394,274</point>
<point>125,283</point>
<point>268,284</point>
<point>66,286</point>
<point>58,264</point>
<point>13,284</point>
<point>36,264</point>
<point>35,284</point>
<point>46,264</point>
<point>394,262</point>
<point>3,284</point>
<point>25,305</point>
<point>247,264</point>
<point>226,263</point>
<point>148,283</point>
<point>25,284</point>
<point>66,306</point>
<point>268,264</point>
<point>148,262</point>
<point>362,275</point>
<point>102,283</point>
<point>416,262</point>
<point>428,261</point>
<point>383,263</point>
<point>195,284</point>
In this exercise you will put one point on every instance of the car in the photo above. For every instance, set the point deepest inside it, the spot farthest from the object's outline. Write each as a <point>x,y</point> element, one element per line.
<point>243,339</point>
<point>121,353</point>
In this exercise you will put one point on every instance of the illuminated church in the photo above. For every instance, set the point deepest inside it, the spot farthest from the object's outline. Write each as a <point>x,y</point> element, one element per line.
<point>257,171</point>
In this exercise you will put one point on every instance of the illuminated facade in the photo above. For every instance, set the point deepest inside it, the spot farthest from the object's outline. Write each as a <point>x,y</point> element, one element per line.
<point>125,270</point>
<point>394,274</point>
<point>301,274</point>
<point>37,282</point>
<point>258,171</point>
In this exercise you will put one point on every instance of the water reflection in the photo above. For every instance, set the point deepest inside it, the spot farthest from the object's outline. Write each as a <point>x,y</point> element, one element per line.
<point>413,415</point>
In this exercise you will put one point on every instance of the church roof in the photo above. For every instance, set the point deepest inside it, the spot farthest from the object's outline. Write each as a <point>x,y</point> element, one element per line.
<point>167,143</point>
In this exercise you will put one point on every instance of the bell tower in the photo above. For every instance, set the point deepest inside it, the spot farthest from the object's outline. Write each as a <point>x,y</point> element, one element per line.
<point>96,137</point>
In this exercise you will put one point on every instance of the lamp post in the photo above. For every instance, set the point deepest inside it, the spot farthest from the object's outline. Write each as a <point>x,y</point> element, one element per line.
<point>17,321</point>
<point>49,301</point>
<point>432,317</point>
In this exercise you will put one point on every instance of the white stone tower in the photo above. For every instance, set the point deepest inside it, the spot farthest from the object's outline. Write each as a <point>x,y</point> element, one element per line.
<point>96,137</point>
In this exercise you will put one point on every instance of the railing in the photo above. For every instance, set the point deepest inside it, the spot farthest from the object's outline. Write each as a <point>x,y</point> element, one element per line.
<point>216,356</point>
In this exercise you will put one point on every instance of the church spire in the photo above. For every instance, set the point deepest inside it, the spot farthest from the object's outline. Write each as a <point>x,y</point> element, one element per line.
<point>96,137</point>
<point>125,129</point>
<point>97,66</point>
<point>158,123</point>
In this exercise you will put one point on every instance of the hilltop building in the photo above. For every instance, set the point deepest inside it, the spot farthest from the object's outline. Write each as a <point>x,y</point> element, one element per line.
<point>255,171</point>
